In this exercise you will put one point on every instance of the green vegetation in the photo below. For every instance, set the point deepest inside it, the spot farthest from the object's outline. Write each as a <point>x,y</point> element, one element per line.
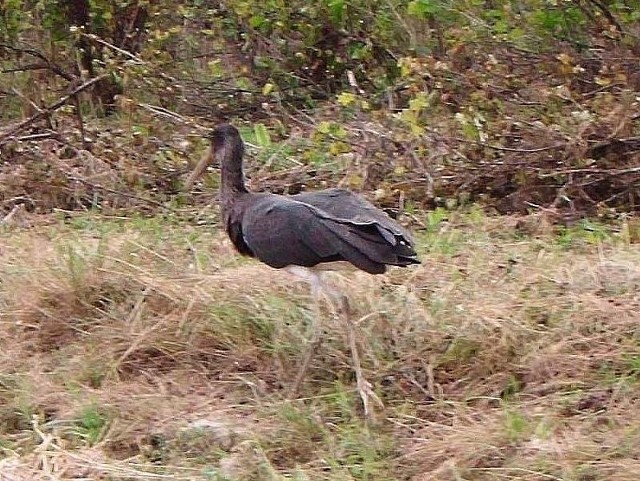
<point>91,424</point>
<point>520,105</point>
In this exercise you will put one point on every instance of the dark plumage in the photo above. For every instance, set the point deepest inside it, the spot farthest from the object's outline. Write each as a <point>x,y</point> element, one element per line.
<point>307,229</point>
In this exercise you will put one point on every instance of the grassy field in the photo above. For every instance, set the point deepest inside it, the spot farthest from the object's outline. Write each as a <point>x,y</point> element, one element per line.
<point>145,349</point>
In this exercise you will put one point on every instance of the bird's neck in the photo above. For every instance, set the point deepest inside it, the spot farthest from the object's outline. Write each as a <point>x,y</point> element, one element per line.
<point>232,177</point>
<point>232,181</point>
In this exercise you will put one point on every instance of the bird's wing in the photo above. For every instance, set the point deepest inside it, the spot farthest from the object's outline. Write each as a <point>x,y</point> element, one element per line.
<point>281,232</point>
<point>344,204</point>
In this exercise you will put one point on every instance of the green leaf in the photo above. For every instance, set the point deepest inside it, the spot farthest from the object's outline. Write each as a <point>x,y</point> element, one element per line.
<point>262,135</point>
<point>256,21</point>
<point>346,98</point>
<point>424,8</point>
<point>336,11</point>
<point>267,88</point>
<point>324,127</point>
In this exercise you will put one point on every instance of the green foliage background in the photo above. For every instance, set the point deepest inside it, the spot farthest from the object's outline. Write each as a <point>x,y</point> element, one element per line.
<point>454,89</point>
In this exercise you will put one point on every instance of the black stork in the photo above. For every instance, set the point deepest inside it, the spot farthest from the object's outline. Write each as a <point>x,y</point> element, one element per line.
<point>306,234</point>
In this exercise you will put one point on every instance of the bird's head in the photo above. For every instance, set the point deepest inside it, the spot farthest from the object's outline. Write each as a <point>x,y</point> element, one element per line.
<point>223,137</point>
<point>226,149</point>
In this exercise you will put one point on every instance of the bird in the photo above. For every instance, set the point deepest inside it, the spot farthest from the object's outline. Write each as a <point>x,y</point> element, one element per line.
<point>306,234</point>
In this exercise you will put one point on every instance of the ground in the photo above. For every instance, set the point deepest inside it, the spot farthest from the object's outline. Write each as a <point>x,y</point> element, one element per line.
<point>145,348</point>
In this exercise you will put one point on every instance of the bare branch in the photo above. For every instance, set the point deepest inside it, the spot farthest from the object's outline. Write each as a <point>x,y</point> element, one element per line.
<point>25,68</point>
<point>35,53</point>
<point>44,112</point>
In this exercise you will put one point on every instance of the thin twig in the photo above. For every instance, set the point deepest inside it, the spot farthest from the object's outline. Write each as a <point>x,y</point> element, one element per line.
<point>126,53</point>
<point>35,53</point>
<point>43,113</point>
<point>9,217</point>
<point>510,149</point>
<point>26,68</point>
<point>132,56</point>
<point>76,102</point>
<point>26,99</point>
<point>164,112</point>
<point>611,172</point>
<point>123,194</point>
<point>608,15</point>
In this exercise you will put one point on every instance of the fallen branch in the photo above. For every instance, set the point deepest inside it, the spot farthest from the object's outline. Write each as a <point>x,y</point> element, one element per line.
<point>40,136</point>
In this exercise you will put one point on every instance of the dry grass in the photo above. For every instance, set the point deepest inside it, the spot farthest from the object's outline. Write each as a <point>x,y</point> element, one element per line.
<point>145,349</point>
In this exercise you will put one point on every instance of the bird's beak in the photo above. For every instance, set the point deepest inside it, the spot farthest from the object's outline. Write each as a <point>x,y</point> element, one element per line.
<point>206,159</point>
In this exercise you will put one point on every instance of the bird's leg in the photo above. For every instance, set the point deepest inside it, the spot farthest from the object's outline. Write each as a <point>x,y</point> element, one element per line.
<point>313,343</point>
<point>364,387</point>
<point>339,303</point>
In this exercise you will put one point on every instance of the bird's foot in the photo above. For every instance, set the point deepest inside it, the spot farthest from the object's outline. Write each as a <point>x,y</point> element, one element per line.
<point>365,390</point>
